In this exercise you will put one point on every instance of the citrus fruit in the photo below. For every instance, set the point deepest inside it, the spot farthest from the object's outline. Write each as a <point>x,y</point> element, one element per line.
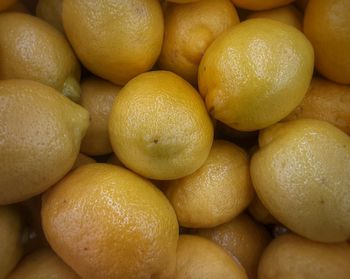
<point>199,258</point>
<point>257,5</point>
<point>44,55</point>
<point>159,126</point>
<point>51,11</point>
<point>120,225</point>
<point>256,74</point>
<point>217,192</point>
<point>327,26</point>
<point>301,175</point>
<point>243,239</point>
<point>40,135</point>
<point>291,256</point>
<point>189,30</point>
<point>116,40</point>
<point>97,96</point>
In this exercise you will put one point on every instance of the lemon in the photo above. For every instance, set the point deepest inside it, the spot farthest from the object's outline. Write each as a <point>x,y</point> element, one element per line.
<point>97,96</point>
<point>11,248</point>
<point>291,256</point>
<point>286,14</point>
<point>217,192</point>
<point>42,263</point>
<point>44,55</point>
<point>260,212</point>
<point>119,224</point>
<point>327,26</point>
<point>256,74</point>
<point>189,30</point>
<point>82,160</point>
<point>257,5</point>
<point>115,40</point>
<point>159,126</point>
<point>40,135</point>
<point>328,101</point>
<point>199,258</point>
<point>301,174</point>
<point>242,238</point>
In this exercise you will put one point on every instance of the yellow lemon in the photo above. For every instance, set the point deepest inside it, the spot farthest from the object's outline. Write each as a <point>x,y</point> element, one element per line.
<point>42,263</point>
<point>301,174</point>
<point>32,49</point>
<point>291,256</point>
<point>327,26</point>
<point>286,14</point>
<point>243,239</point>
<point>106,222</point>
<point>11,248</point>
<point>116,40</point>
<point>189,30</point>
<point>199,258</point>
<point>218,191</point>
<point>256,73</point>
<point>260,212</point>
<point>40,135</point>
<point>97,96</point>
<point>328,101</point>
<point>257,5</point>
<point>159,126</point>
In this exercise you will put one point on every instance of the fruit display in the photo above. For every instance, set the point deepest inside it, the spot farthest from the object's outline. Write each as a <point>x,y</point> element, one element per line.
<point>174,139</point>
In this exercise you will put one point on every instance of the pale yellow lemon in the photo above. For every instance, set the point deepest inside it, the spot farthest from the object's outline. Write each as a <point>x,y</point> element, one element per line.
<point>327,26</point>
<point>189,30</point>
<point>106,222</point>
<point>260,212</point>
<point>51,11</point>
<point>40,135</point>
<point>11,248</point>
<point>217,192</point>
<point>328,101</point>
<point>291,256</point>
<point>286,14</point>
<point>159,126</point>
<point>116,40</point>
<point>33,49</point>
<point>256,73</point>
<point>199,258</point>
<point>97,97</point>
<point>42,263</point>
<point>301,174</point>
<point>243,239</point>
<point>83,160</point>
<point>257,5</point>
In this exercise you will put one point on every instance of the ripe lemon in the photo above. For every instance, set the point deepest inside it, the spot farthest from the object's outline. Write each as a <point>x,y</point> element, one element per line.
<point>4,4</point>
<point>51,11</point>
<point>328,101</point>
<point>11,248</point>
<point>256,73</point>
<point>40,135</point>
<point>32,49</point>
<point>82,160</point>
<point>199,258</point>
<point>257,5</point>
<point>218,191</point>
<point>189,30</point>
<point>286,14</point>
<point>243,239</point>
<point>106,222</point>
<point>42,263</point>
<point>327,26</point>
<point>97,96</point>
<point>301,174</point>
<point>116,40</point>
<point>159,126</point>
<point>291,256</point>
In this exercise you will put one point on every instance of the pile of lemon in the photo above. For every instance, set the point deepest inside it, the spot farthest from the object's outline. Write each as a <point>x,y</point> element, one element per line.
<point>148,139</point>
